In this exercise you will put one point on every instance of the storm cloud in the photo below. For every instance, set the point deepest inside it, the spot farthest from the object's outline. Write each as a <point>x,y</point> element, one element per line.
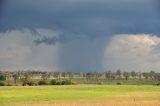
<point>19,51</point>
<point>138,52</point>
<point>75,33</point>
<point>83,18</point>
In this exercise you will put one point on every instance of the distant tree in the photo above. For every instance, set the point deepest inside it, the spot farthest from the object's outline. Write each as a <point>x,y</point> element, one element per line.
<point>146,75</point>
<point>89,76</point>
<point>57,75</point>
<point>2,77</point>
<point>97,77</point>
<point>108,75</point>
<point>157,76</point>
<point>118,74</point>
<point>46,76</point>
<point>70,75</point>
<point>126,75</point>
<point>8,76</point>
<point>27,76</point>
<point>152,75</point>
<point>20,74</point>
<point>113,76</point>
<point>139,75</point>
<point>63,75</point>
<point>15,77</point>
<point>133,74</point>
<point>49,74</point>
<point>84,77</point>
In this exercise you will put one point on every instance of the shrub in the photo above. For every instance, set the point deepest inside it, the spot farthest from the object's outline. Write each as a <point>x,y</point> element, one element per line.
<point>68,82</point>
<point>99,83</point>
<point>158,84</point>
<point>63,82</point>
<point>24,83</point>
<point>2,84</point>
<point>42,82</point>
<point>9,84</point>
<point>58,83</point>
<point>31,83</point>
<point>118,83</point>
<point>53,82</point>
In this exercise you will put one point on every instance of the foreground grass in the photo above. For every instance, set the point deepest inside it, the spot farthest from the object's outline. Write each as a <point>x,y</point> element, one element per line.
<point>93,93</point>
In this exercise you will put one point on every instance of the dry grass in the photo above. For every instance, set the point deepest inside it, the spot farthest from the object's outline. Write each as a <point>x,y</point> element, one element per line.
<point>137,97</point>
<point>121,100</point>
<point>93,103</point>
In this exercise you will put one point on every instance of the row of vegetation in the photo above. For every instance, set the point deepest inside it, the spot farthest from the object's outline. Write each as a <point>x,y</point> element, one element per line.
<point>66,78</point>
<point>41,82</point>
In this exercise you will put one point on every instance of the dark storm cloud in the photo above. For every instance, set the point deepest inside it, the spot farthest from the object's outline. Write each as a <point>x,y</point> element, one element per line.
<point>84,25</point>
<point>157,5</point>
<point>2,3</point>
<point>46,40</point>
<point>86,17</point>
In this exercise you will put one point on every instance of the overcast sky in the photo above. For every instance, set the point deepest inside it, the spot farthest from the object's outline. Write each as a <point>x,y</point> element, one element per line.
<point>80,35</point>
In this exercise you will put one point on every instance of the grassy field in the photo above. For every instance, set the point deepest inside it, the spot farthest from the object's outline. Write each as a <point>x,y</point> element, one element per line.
<point>80,95</point>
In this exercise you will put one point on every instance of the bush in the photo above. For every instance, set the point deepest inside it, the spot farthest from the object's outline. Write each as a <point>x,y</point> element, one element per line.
<point>63,82</point>
<point>58,83</point>
<point>9,84</point>
<point>2,84</point>
<point>53,82</point>
<point>158,84</point>
<point>42,82</point>
<point>31,83</point>
<point>99,83</point>
<point>24,84</point>
<point>68,82</point>
<point>118,83</point>
<point>16,85</point>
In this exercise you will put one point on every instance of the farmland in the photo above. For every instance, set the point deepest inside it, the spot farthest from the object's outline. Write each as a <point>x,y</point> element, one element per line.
<point>80,95</point>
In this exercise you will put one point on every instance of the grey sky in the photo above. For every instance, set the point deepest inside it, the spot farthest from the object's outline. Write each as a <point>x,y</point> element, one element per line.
<point>76,31</point>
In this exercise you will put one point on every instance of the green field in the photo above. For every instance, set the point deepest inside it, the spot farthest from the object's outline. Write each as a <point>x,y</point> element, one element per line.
<point>31,94</point>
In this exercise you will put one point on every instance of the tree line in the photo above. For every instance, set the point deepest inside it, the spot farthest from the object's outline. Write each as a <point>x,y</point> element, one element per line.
<point>61,78</point>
